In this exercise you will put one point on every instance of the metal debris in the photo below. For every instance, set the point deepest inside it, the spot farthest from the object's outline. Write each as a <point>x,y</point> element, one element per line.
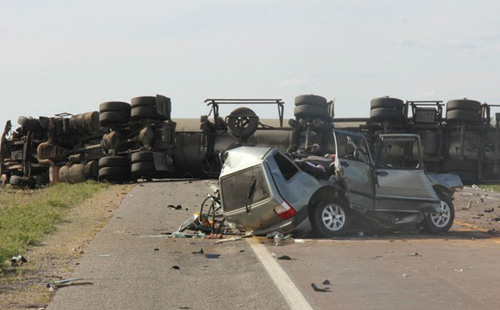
<point>317,289</point>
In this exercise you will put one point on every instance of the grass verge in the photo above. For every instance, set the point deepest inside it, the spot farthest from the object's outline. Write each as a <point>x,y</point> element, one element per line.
<point>26,216</point>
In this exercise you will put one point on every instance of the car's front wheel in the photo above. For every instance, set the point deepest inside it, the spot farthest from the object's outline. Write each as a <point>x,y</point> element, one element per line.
<point>440,222</point>
<point>331,218</point>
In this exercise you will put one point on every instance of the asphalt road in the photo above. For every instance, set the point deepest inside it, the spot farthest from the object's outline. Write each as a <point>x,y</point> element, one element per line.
<point>129,266</point>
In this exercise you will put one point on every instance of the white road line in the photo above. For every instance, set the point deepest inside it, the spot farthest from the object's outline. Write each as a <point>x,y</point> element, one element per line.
<point>292,295</point>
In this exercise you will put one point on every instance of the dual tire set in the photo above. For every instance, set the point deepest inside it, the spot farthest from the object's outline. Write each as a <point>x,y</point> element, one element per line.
<point>120,168</point>
<point>115,113</point>
<point>387,109</point>
<point>311,107</point>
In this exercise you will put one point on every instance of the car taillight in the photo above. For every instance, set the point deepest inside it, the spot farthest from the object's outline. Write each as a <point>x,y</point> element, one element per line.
<point>284,210</point>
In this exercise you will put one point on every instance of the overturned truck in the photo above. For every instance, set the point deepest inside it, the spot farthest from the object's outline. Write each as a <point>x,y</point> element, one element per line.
<point>123,141</point>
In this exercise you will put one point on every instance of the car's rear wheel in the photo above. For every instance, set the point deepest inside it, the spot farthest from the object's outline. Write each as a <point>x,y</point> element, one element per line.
<point>331,218</point>
<point>440,222</point>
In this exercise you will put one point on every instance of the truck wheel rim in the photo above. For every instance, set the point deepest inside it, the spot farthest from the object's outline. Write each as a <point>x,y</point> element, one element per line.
<point>442,218</point>
<point>333,217</point>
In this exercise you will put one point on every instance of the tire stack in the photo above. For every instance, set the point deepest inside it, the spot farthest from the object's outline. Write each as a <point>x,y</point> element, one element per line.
<point>463,111</point>
<point>114,168</point>
<point>143,165</point>
<point>387,109</point>
<point>146,108</point>
<point>114,113</point>
<point>311,107</point>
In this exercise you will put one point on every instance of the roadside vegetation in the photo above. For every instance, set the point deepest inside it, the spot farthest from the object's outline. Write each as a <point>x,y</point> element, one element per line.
<point>26,216</point>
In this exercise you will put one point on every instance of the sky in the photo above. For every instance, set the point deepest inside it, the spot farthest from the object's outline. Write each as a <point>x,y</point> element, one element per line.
<point>70,56</point>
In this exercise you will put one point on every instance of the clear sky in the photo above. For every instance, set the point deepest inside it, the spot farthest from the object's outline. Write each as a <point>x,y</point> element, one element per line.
<point>69,56</point>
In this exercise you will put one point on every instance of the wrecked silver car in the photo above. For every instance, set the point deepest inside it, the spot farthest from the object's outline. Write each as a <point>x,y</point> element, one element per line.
<point>265,190</point>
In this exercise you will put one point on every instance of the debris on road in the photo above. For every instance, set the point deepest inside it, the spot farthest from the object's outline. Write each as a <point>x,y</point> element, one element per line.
<point>198,252</point>
<point>317,289</point>
<point>18,260</point>
<point>285,257</point>
<point>175,267</point>
<point>53,285</point>
<point>326,282</point>
<point>414,254</point>
<point>489,210</point>
<point>405,275</point>
<point>214,256</point>
<point>178,207</point>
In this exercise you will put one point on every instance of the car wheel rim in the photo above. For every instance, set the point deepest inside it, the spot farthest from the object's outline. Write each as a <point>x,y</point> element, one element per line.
<point>442,218</point>
<point>333,217</point>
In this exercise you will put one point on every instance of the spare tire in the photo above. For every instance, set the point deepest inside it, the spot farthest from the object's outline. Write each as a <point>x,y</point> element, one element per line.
<point>387,102</point>
<point>463,104</point>
<point>310,100</point>
<point>242,122</point>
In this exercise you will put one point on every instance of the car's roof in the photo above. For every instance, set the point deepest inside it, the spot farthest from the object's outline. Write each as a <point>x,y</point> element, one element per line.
<point>243,157</point>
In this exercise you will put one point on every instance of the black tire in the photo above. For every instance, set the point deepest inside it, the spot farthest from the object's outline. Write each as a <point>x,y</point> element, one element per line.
<point>442,221</point>
<point>114,161</point>
<point>30,123</point>
<point>144,156</point>
<point>145,101</point>
<point>310,100</point>
<point>114,173</point>
<point>144,169</point>
<point>463,104</point>
<point>465,116</point>
<point>331,218</point>
<point>114,106</point>
<point>242,122</point>
<point>142,112</point>
<point>311,111</point>
<point>386,114</point>
<point>387,103</point>
<point>113,118</point>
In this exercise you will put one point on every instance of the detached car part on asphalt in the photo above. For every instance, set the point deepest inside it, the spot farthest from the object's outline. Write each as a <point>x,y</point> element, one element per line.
<point>265,190</point>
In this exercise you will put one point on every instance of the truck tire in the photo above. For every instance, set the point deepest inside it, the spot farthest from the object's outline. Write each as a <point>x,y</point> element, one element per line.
<point>310,100</point>
<point>242,122</point>
<point>114,161</point>
<point>331,218</point>
<point>463,104</point>
<point>143,169</point>
<point>30,123</point>
<point>144,101</point>
<point>386,114</point>
<point>311,111</point>
<point>442,221</point>
<point>142,112</point>
<point>387,103</point>
<point>464,116</point>
<point>144,156</point>
<point>111,118</point>
<point>110,106</point>
<point>114,173</point>
<point>21,181</point>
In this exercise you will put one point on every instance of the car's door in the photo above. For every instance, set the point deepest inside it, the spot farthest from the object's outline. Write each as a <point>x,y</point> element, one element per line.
<point>355,161</point>
<point>403,190</point>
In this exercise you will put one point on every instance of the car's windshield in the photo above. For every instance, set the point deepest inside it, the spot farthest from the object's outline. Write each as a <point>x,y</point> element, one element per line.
<point>244,188</point>
<point>352,147</point>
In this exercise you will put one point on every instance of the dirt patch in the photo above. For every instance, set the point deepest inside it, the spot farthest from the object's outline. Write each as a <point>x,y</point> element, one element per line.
<point>477,210</point>
<point>25,287</point>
